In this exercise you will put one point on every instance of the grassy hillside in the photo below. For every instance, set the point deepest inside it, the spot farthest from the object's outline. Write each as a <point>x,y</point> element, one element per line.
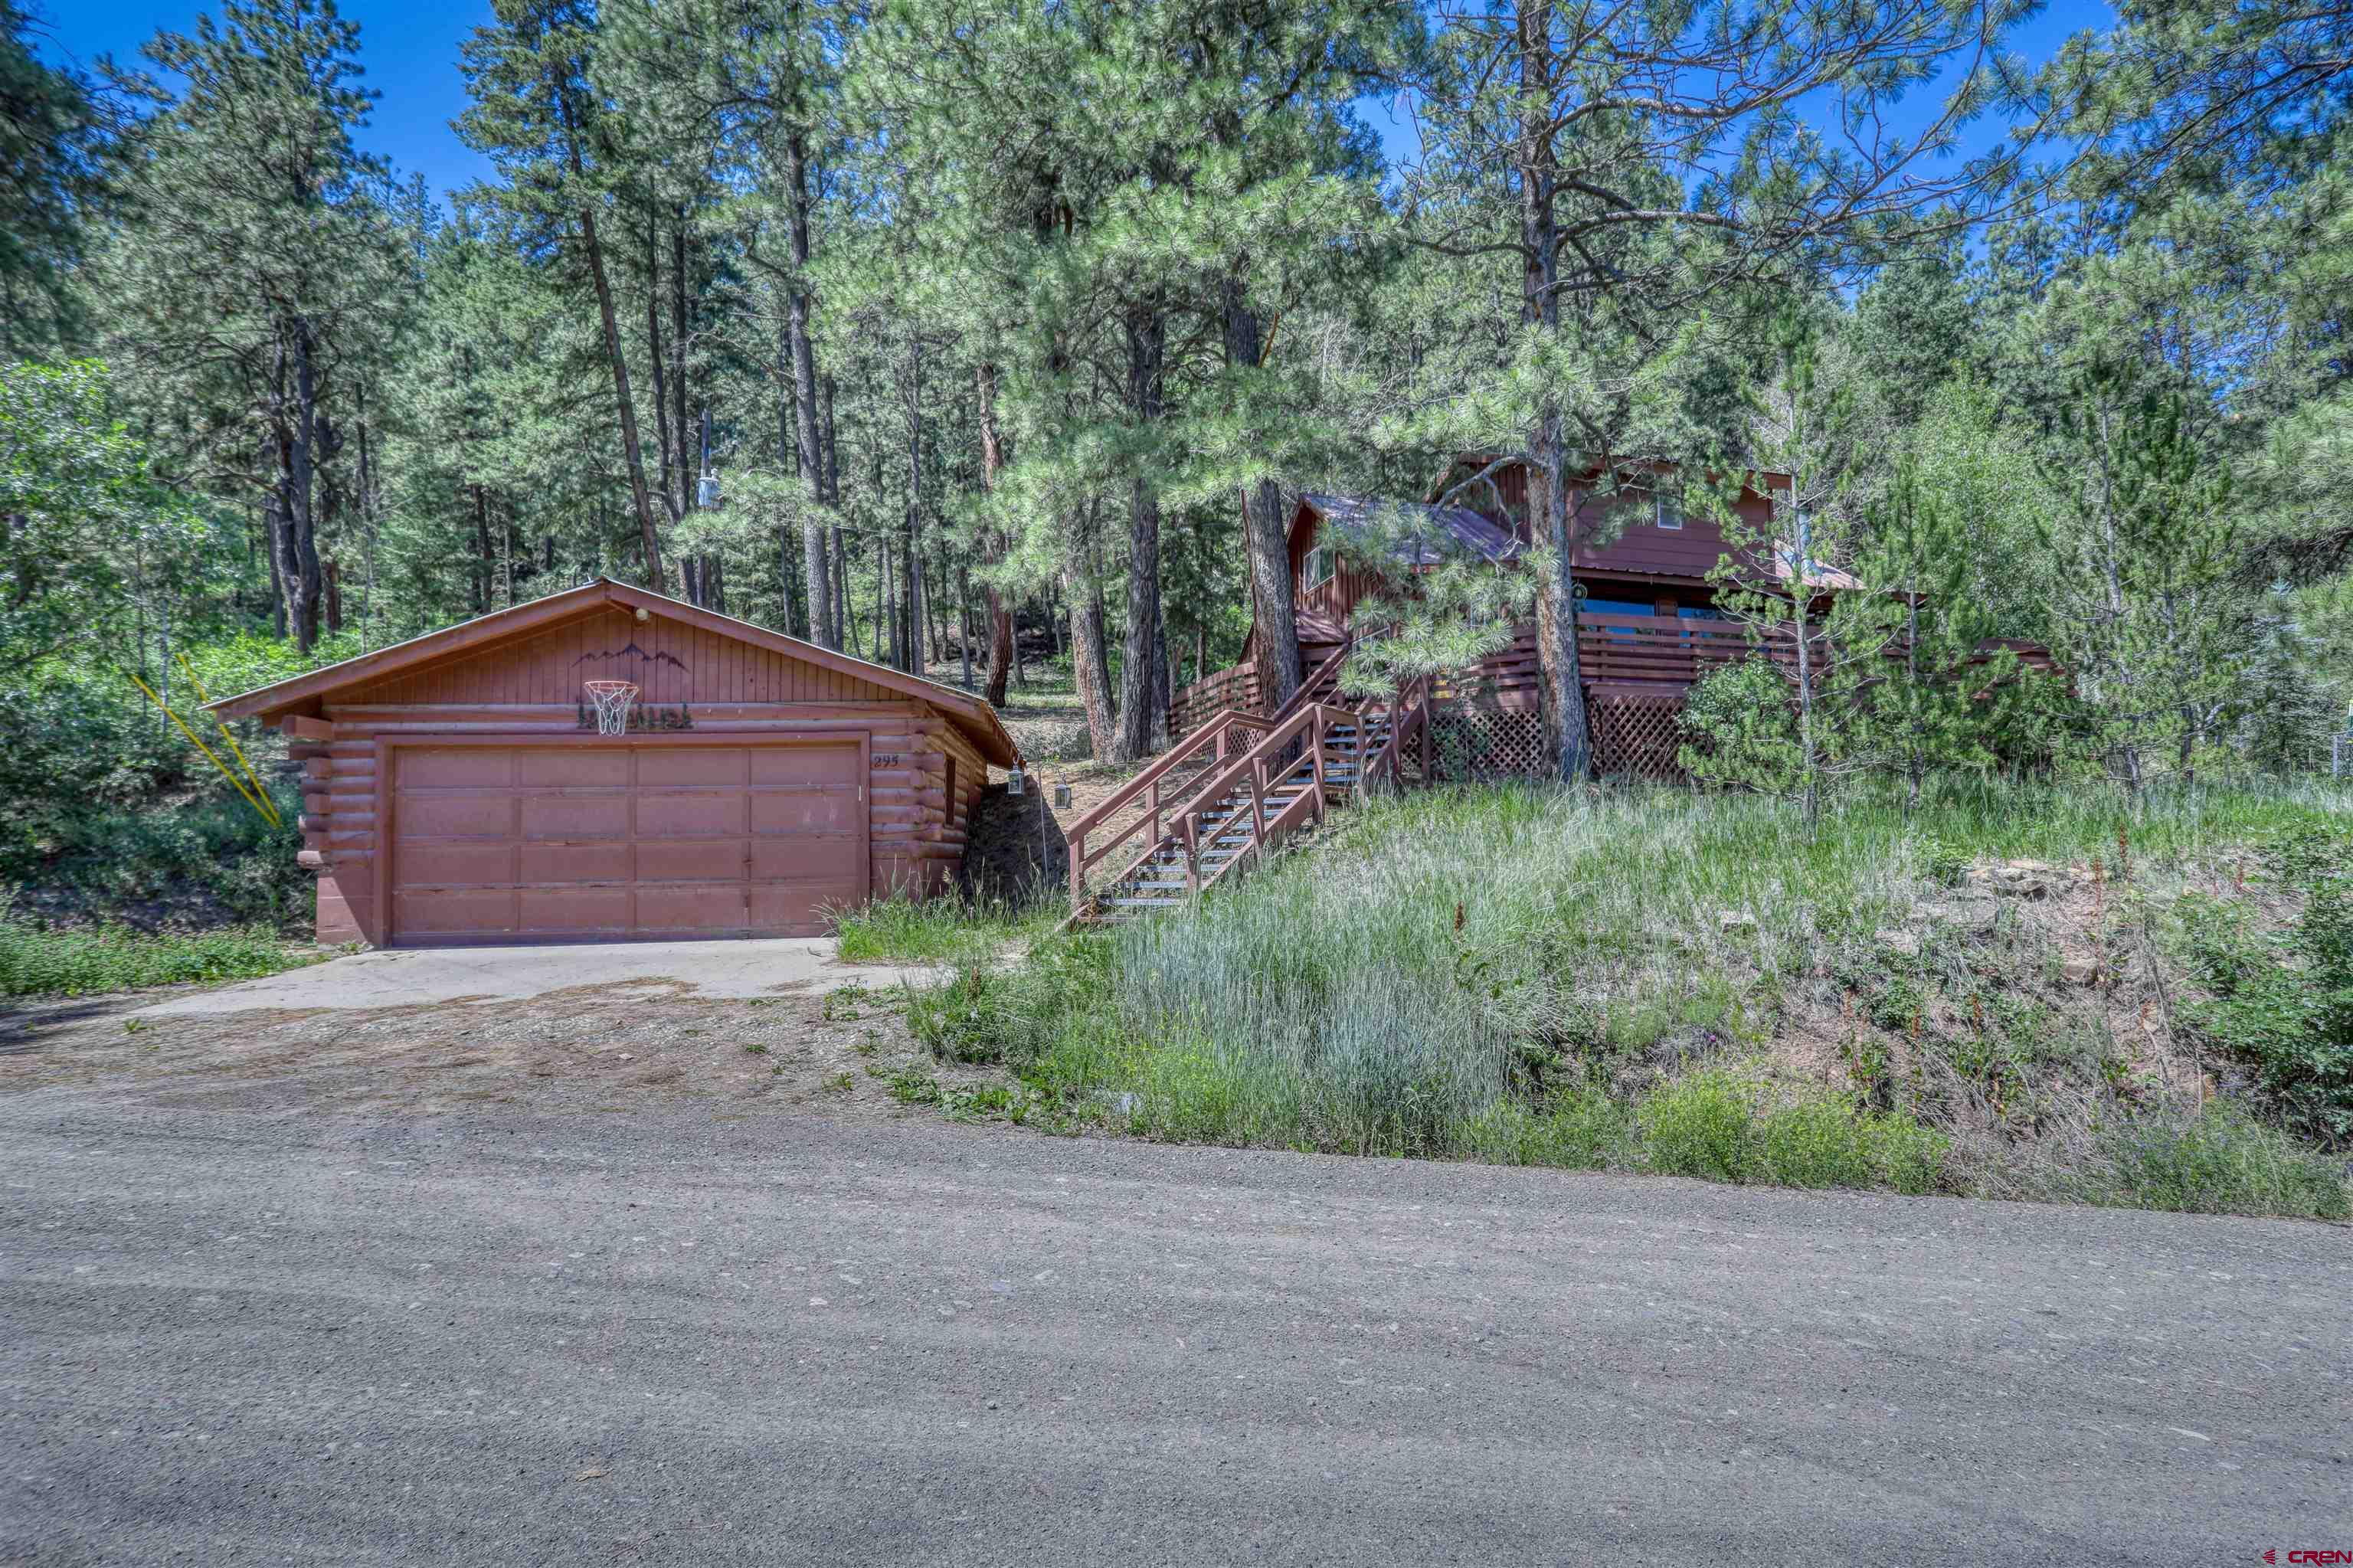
<point>2016,992</point>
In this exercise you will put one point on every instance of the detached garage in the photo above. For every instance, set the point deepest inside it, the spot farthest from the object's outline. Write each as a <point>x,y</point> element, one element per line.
<point>607,764</point>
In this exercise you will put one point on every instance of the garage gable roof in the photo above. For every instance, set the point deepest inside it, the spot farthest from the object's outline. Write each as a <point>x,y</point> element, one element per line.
<point>969,712</point>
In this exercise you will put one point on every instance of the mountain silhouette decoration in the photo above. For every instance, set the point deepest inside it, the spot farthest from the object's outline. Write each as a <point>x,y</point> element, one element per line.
<point>631,651</point>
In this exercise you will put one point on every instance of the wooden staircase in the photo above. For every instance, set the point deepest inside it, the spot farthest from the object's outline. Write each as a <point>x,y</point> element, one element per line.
<point>1237,785</point>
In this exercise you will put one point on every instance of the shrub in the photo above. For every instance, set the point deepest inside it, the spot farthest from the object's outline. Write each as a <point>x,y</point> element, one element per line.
<point>1699,1126</point>
<point>2282,1001</point>
<point>923,931</point>
<point>1016,1015</point>
<point>1817,1143</point>
<point>1573,1131</point>
<point>2221,1163</point>
<point>1703,1125</point>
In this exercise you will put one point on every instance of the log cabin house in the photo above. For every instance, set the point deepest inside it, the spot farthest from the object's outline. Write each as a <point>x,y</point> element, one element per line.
<point>458,791</point>
<point>1647,627</point>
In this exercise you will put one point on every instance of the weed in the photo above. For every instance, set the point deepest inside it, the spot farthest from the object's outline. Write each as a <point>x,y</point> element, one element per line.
<point>757,1047</point>
<point>89,961</point>
<point>2283,1000</point>
<point>837,1083</point>
<point>932,930</point>
<point>1497,973</point>
<point>1706,1125</point>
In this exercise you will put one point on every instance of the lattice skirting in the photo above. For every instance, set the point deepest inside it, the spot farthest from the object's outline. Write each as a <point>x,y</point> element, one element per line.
<point>1634,734</point>
<point>1471,741</point>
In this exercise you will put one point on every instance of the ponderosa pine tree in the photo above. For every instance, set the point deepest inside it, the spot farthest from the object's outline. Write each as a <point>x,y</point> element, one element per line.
<point>253,245</point>
<point>50,176</point>
<point>546,132</point>
<point>2149,625</point>
<point>1604,123</point>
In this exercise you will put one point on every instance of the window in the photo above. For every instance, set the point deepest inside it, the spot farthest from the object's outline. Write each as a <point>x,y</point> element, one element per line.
<point>1671,515</point>
<point>1317,566</point>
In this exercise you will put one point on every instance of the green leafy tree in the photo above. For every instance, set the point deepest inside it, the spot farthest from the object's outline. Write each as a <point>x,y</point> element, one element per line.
<point>100,556</point>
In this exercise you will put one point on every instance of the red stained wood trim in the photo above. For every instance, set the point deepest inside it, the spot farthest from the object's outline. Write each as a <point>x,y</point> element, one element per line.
<point>714,640</point>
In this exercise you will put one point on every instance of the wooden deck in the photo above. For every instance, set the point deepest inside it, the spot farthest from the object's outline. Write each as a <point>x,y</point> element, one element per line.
<point>1637,669</point>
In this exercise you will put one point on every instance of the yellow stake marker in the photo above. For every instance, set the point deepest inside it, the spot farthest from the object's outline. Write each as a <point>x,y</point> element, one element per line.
<point>206,697</point>
<point>268,813</point>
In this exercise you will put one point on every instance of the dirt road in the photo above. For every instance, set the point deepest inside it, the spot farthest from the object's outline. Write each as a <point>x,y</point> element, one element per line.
<point>262,1325</point>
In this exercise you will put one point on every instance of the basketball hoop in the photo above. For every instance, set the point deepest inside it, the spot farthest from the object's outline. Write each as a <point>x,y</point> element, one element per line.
<point>612,700</point>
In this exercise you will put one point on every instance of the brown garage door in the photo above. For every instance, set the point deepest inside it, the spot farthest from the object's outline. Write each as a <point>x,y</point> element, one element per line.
<point>657,839</point>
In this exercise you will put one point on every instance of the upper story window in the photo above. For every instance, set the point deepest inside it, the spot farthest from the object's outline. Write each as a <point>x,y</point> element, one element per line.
<point>1671,515</point>
<point>1316,567</point>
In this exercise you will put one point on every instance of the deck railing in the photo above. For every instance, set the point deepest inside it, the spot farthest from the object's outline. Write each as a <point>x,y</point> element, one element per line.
<point>1235,688</point>
<point>1611,647</point>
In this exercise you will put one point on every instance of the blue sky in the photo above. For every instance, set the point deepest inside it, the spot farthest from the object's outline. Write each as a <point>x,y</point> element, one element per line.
<point>410,53</point>
<point>409,49</point>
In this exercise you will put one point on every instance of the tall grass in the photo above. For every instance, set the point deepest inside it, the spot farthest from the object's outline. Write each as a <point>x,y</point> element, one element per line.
<point>2220,1162</point>
<point>1456,972</point>
<point>91,960</point>
<point>937,930</point>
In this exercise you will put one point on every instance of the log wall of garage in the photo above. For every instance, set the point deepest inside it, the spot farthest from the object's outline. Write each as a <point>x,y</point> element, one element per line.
<point>916,831</point>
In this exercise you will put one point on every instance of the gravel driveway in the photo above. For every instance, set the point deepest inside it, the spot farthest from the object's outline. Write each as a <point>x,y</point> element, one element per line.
<point>243,1322</point>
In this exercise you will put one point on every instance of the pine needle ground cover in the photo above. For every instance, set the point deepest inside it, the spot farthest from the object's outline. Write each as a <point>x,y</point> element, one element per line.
<point>2009,992</point>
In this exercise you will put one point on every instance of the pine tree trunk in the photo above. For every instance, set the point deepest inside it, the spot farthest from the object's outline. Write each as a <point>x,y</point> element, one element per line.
<point>912,392</point>
<point>963,622</point>
<point>1266,542</point>
<point>687,467</point>
<point>630,449</point>
<point>654,361</point>
<point>1089,665</point>
<point>1000,614</point>
<point>1139,674</point>
<point>1161,677</point>
<point>825,625</point>
<point>303,574</point>
<point>886,608</point>
<point>273,528</point>
<point>1547,458</point>
<point>486,573</point>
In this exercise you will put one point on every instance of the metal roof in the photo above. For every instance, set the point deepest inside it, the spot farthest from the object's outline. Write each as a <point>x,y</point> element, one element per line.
<point>1441,531</point>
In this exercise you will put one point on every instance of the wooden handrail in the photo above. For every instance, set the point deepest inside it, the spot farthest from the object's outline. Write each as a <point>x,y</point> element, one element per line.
<point>1128,791</point>
<point>1147,783</point>
<point>1313,722</point>
<point>1257,767</point>
<point>1408,712</point>
<point>1253,764</point>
